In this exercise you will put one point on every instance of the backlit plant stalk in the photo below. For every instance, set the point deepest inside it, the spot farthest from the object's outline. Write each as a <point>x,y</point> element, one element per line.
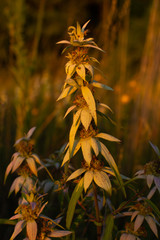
<point>84,133</point>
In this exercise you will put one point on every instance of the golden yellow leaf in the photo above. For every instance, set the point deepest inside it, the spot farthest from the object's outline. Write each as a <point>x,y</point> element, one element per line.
<point>88,177</point>
<point>88,96</point>
<point>103,181</point>
<point>86,118</point>
<point>86,150</point>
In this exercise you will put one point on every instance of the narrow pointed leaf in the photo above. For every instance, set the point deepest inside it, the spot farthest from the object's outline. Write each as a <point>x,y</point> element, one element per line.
<point>63,42</point>
<point>32,165</point>
<point>17,163</point>
<point>150,180</point>
<point>66,92</point>
<point>93,46</point>
<point>90,68</point>
<point>86,150</point>
<point>31,229</point>
<point>152,225</point>
<point>16,217</point>
<point>86,118</point>
<point>59,233</point>
<point>88,177</point>
<point>106,154</point>
<point>17,184</point>
<point>80,69</point>
<point>70,69</point>
<point>88,96</point>
<point>138,222</point>
<point>107,137</point>
<point>101,85</point>
<point>94,145</point>
<point>85,25</point>
<point>69,110</point>
<point>30,132</point>
<point>73,130</point>
<point>106,106</point>
<point>72,204</point>
<point>103,181</point>
<point>18,228</point>
<point>36,158</point>
<point>76,174</point>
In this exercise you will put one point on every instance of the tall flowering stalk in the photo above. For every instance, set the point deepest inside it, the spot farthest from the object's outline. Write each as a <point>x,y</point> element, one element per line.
<point>97,164</point>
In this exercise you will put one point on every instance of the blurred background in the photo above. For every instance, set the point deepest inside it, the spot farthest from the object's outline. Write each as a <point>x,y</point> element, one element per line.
<point>32,74</point>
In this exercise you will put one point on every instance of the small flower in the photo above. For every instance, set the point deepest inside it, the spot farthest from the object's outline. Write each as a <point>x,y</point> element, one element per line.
<point>38,227</point>
<point>24,156</point>
<point>151,173</point>
<point>90,141</point>
<point>143,212</point>
<point>94,172</point>
<point>77,37</point>
<point>130,234</point>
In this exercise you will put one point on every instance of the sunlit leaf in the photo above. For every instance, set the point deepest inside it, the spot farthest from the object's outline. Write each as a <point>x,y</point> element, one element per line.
<point>17,163</point>
<point>100,85</point>
<point>88,96</point>
<point>106,106</point>
<point>86,118</point>
<point>72,204</point>
<point>30,132</point>
<point>69,110</point>
<point>86,150</point>
<point>31,228</point>
<point>112,164</point>
<point>18,228</point>
<point>138,222</point>
<point>85,25</point>
<point>94,145</point>
<point>32,165</point>
<point>103,181</point>
<point>80,69</point>
<point>73,130</point>
<point>36,158</point>
<point>152,224</point>
<point>70,69</point>
<point>71,82</point>
<point>63,42</point>
<point>66,92</point>
<point>107,137</point>
<point>88,177</point>
<point>76,174</point>
<point>17,184</point>
<point>76,147</point>
<point>93,46</point>
<point>16,217</point>
<point>90,68</point>
<point>59,233</point>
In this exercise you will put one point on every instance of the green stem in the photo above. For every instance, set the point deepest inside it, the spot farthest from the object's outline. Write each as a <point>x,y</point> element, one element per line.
<point>97,212</point>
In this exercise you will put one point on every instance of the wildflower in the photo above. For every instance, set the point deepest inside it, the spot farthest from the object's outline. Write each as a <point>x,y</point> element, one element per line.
<point>151,173</point>
<point>24,157</point>
<point>143,212</point>
<point>130,234</point>
<point>94,172</point>
<point>77,36</point>
<point>38,227</point>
